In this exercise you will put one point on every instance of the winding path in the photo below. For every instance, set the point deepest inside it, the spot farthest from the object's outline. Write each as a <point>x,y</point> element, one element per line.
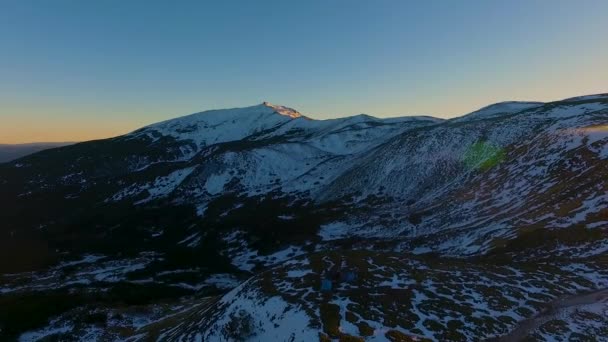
<point>553,310</point>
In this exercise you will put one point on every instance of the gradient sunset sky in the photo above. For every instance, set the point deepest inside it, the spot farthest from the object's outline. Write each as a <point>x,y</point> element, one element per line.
<point>78,70</point>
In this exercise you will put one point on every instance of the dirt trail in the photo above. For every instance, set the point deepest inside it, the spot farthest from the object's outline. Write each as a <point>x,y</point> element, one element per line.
<point>553,310</point>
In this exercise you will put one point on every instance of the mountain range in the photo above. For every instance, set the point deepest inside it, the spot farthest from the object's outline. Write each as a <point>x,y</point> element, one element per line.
<point>229,225</point>
<point>9,152</point>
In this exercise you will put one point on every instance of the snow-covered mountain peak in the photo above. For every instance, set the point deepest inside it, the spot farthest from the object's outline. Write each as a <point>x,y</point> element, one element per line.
<point>290,112</point>
<point>222,125</point>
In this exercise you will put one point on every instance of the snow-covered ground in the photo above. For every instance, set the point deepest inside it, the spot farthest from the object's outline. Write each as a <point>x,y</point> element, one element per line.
<point>470,225</point>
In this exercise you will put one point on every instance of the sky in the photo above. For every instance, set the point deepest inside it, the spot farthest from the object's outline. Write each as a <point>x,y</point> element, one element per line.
<point>74,70</point>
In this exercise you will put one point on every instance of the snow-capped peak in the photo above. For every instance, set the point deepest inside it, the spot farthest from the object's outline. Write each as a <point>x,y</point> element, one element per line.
<point>222,125</point>
<point>290,112</point>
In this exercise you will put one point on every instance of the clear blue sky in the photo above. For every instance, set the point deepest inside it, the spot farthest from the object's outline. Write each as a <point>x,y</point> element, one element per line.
<point>74,70</point>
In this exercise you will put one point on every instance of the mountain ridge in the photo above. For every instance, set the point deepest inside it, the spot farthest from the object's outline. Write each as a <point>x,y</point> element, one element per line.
<point>10,152</point>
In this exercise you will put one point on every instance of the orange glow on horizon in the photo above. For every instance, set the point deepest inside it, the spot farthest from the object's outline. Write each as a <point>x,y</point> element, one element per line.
<point>36,123</point>
<point>20,131</point>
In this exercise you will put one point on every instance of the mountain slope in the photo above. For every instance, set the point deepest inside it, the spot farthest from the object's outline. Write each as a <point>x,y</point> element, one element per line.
<point>478,179</point>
